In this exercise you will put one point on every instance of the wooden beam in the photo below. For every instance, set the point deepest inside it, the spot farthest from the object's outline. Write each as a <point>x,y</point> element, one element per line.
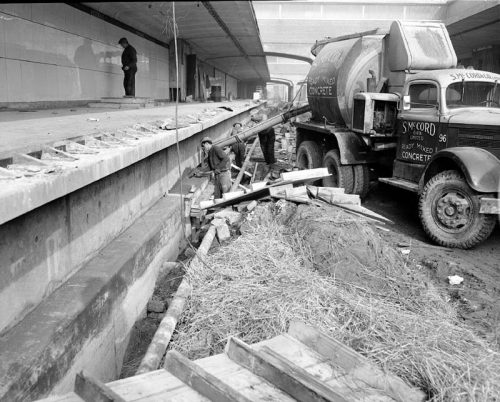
<point>354,363</point>
<point>281,373</point>
<point>309,174</point>
<point>93,390</point>
<point>201,380</point>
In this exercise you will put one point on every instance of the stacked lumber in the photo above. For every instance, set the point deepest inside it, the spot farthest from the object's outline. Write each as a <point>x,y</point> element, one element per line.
<point>302,365</point>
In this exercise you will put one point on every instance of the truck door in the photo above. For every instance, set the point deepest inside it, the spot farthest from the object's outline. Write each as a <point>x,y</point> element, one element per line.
<point>419,129</point>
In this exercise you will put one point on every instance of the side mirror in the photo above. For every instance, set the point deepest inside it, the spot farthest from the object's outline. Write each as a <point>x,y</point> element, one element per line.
<point>406,102</point>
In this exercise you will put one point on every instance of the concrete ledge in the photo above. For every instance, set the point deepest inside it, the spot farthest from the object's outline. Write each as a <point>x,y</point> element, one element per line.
<point>20,195</point>
<point>89,317</point>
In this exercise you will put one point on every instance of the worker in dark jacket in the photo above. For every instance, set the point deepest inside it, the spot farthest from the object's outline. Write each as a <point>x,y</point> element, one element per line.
<point>129,67</point>
<point>219,163</point>
<point>239,148</point>
<point>266,139</point>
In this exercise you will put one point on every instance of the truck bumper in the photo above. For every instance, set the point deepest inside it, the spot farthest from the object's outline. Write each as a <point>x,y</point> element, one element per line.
<point>490,206</point>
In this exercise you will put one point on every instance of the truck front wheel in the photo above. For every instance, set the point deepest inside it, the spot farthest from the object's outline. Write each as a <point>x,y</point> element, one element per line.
<point>340,175</point>
<point>449,211</point>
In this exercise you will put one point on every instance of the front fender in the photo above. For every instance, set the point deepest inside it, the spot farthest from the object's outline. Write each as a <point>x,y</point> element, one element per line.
<point>351,147</point>
<point>480,168</point>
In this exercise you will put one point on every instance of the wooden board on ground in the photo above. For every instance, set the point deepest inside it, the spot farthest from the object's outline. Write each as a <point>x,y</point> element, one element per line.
<point>309,174</point>
<point>354,363</point>
<point>303,365</point>
<point>264,192</point>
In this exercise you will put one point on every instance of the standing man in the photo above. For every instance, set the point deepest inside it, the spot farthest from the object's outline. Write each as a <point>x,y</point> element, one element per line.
<point>129,67</point>
<point>219,163</point>
<point>239,147</point>
<point>266,139</point>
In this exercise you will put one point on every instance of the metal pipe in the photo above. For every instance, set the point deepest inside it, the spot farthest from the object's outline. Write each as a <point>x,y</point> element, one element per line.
<point>252,132</point>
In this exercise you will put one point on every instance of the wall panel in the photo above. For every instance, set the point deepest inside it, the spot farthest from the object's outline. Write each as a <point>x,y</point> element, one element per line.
<point>54,52</point>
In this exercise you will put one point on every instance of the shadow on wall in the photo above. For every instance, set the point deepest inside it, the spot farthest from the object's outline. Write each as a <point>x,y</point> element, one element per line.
<point>88,62</point>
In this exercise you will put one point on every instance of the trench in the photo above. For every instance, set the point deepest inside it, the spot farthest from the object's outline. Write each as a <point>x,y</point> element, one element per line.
<point>144,329</point>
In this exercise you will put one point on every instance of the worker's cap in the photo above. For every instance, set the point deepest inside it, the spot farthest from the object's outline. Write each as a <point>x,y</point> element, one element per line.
<point>237,124</point>
<point>122,40</point>
<point>257,118</point>
<point>206,139</point>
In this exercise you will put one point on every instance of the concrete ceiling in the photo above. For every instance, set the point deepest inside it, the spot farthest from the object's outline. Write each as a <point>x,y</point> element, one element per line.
<point>473,27</point>
<point>224,33</point>
<point>294,26</point>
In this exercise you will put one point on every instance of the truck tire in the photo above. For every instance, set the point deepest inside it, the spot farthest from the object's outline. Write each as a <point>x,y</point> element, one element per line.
<point>361,180</point>
<point>309,155</point>
<point>449,211</point>
<point>341,175</point>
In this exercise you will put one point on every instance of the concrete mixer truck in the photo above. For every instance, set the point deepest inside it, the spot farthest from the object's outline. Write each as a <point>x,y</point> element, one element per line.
<point>396,103</point>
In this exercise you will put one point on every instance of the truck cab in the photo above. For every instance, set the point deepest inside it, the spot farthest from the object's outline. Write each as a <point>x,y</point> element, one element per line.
<point>448,151</point>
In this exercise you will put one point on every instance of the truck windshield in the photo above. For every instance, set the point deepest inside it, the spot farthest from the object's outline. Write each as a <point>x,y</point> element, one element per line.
<point>473,94</point>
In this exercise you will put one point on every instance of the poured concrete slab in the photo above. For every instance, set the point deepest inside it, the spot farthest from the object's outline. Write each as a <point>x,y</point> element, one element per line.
<point>20,195</point>
<point>25,132</point>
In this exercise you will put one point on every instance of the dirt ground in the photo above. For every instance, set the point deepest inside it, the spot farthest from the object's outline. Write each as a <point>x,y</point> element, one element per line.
<point>478,297</point>
<point>144,329</point>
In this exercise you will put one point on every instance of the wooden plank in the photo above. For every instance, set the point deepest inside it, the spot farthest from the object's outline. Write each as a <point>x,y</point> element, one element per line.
<point>302,375</point>
<point>345,199</point>
<point>258,185</point>
<point>159,343</point>
<point>232,194</point>
<point>201,380</point>
<point>296,192</point>
<point>308,174</point>
<point>285,376</point>
<point>354,363</point>
<point>324,191</point>
<point>365,212</point>
<point>93,390</point>
<point>279,191</point>
<point>244,381</point>
<point>322,369</point>
<point>156,386</point>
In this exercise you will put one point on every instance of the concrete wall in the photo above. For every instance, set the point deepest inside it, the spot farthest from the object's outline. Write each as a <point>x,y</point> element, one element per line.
<point>54,52</point>
<point>77,272</point>
<point>41,249</point>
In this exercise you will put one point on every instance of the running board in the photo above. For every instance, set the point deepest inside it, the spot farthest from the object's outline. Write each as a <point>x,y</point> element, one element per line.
<point>401,183</point>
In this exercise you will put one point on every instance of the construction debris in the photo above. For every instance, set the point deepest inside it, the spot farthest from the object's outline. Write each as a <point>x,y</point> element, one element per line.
<point>229,215</point>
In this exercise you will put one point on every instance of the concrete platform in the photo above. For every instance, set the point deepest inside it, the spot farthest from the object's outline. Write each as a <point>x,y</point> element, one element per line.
<point>27,131</point>
<point>123,103</point>
<point>23,194</point>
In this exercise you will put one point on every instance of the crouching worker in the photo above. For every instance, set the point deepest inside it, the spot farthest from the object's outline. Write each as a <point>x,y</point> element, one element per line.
<point>219,163</point>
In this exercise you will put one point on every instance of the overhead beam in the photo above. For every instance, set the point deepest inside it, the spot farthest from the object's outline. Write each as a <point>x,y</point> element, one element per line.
<point>275,54</point>
<point>226,29</point>
<point>119,24</point>
<point>290,56</point>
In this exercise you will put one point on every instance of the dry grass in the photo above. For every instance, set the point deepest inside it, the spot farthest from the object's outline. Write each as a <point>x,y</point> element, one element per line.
<point>253,287</point>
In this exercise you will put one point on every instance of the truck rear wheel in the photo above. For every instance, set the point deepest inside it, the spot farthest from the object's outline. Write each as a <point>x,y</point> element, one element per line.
<point>341,175</point>
<point>361,180</point>
<point>449,211</point>
<point>309,155</point>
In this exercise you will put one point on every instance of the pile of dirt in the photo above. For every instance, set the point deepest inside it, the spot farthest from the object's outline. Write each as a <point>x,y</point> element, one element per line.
<point>336,273</point>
